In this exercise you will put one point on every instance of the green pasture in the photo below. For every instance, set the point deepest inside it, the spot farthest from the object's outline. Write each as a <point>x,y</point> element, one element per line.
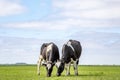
<point>28,72</point>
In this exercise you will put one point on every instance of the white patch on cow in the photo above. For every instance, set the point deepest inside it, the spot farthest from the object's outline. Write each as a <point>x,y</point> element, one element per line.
<point>49,66</point>
<point>75,65</point>
<point>40,57</point>
<point>49,47</point>
<point>72,61</point>
<point>69,44</point>
<point>58,64</point>
<point>43,62</point>
<point>67,67</point>
<point>39,64</point>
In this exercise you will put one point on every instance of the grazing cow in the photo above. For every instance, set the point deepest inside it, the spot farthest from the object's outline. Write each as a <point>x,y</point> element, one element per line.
<point>71,52</point>
<point>48,56</point>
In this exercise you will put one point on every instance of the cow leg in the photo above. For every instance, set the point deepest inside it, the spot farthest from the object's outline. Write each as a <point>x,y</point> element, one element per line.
<point>67,67</point>
<point>39,64</point>
<point>75,65</point>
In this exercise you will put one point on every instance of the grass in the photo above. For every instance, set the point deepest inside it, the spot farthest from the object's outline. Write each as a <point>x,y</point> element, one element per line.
<point>28,72</point>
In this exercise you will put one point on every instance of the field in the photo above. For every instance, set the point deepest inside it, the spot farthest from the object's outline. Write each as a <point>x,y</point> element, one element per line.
<point>28,72</point>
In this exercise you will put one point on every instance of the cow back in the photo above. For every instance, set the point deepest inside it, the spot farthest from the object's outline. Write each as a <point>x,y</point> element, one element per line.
<point>77,48</point>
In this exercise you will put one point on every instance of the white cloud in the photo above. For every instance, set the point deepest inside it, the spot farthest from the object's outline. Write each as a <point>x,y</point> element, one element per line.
<point>62,24</point>
<point>14,50</point>
<point>89,9</point>
<point>76,13</point>
<point>8,7</point>
<point>51,25</point>
<point>77,4</point>
<point>106,13</point>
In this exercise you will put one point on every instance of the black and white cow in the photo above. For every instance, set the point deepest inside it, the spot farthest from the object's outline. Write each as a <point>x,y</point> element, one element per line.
<point>48,56</point>
<point>71,52</point>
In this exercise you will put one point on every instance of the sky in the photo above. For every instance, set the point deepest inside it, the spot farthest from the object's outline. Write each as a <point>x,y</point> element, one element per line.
<point>25,25</point>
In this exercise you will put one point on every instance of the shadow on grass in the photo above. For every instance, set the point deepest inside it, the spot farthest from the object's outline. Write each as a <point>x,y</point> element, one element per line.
<point>91,75</point>
<point>83,75</point>
<point>72,76</point>
<point>80,75</point>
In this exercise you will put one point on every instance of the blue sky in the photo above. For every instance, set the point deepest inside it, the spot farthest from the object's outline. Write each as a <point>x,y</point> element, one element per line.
<point>25,25</point>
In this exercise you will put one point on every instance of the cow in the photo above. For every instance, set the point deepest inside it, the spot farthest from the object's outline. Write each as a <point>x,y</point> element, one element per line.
<point>71,52</point>
<point>49,55</point>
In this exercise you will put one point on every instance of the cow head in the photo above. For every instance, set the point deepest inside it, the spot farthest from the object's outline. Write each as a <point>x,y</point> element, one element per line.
<point>60,67</point>
<point>49,67</point>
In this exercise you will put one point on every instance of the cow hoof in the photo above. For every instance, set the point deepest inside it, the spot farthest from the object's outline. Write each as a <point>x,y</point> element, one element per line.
<point>58,74</point>
<point>38,74</point>
<point>76,74</point>
<point>48,75</point>
<point>67,74</point>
